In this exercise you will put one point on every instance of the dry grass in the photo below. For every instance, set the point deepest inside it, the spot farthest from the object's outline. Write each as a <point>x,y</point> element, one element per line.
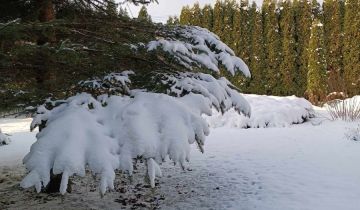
<point>346,110</point>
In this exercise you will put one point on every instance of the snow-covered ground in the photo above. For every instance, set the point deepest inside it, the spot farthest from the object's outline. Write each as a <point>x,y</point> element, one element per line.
<point>304,166</point>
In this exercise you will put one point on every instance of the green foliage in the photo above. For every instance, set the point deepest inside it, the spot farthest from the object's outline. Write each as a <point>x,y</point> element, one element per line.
<point>185,16</point>
<point>288,67</point>
<point>316,80</point>
<point>144,15</point>
<point>274,40</point>
<point>334,43</point>
<point>351,48</point>
<point>172,21</point>
<point>207,17</point>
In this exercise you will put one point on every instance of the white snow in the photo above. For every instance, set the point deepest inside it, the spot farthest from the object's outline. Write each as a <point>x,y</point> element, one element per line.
<point>198,46</point>
<point>267,111</point>
<point>107,134</point>
<point>4,139</point>
<point>21,140</point>
<point>218,91</point>
<point>300,167</point>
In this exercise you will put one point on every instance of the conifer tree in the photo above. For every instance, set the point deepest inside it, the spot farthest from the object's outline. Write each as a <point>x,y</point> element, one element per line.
<point>351,46</point>
<point>316,81</point>
<point>144,15</point>
<point>288,65</point>
<point>173,20</point>
<point>236,44</point>
<point>218,18</point>
<point>123,12</point>
<point>303,20</point>
<point>185,16</point>
<point>257,59</point>
<point>333,43</point>
<point>227,33</point>
<point>315,9</point>
<point>111,8</point>
<point>207,17</point>
<point>272,46</point>
<point>196,15</point>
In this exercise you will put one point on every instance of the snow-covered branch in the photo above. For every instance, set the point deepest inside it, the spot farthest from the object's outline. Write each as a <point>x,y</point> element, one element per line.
<point>192,45</point>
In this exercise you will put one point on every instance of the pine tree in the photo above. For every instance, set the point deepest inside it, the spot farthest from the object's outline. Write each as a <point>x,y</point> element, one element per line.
<point>207,17</point>
<point>316,81</point>
<point>288,67</point>
<point>144,15</point>
<point>303,20</point>
<point>333,43</point>
<point>257,64</point>
<point>272,46</point>
<point>185,16</point>
<point>351,49</point>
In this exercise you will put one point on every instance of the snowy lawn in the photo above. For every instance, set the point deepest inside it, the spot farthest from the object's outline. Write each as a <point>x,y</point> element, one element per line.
<point>306,166</point>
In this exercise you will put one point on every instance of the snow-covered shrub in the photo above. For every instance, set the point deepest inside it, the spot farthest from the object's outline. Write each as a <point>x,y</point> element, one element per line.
<point>195,46</point>
<point>4,139</point>
<point>109,132</point>
<point>266,111</point>
<point>347,110</point>
<point>158,117</point>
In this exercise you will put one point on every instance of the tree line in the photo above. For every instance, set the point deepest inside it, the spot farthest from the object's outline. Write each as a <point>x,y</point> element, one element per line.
<point>292,47</point>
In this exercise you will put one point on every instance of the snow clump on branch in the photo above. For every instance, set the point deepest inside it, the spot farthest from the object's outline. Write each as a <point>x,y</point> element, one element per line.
<point>198,46</point>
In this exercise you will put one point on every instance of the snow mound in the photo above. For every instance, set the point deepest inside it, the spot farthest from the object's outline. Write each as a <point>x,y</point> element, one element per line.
<point>218,91</point>
<point>198,46</point>
<point>266,111</point>
<point>107,133</point>
<point>4,139</point>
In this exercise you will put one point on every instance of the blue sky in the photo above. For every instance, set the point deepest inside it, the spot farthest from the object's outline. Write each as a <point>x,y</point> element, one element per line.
<point>160,12</point>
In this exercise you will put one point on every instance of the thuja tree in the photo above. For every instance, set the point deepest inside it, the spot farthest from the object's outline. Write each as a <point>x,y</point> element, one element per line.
<point>316,78</point>
<point>351,48</point>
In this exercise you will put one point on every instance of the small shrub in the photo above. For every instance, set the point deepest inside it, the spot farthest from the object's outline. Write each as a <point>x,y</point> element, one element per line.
<point>347,110</point>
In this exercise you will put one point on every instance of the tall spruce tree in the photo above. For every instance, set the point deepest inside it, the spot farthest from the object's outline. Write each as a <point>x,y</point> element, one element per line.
<point>333,42</point>
<point>272,46</point>
<point>351,48</point>
<point>316,80</point>
<point>288,67</point>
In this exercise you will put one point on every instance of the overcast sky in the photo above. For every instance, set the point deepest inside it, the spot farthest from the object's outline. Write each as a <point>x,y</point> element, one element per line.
<point>160,12</point>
